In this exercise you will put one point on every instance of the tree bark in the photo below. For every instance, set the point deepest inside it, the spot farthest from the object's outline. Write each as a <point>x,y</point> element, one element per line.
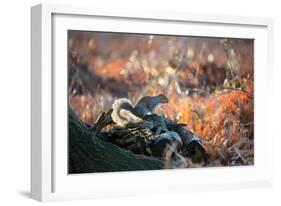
<point>88,154</point>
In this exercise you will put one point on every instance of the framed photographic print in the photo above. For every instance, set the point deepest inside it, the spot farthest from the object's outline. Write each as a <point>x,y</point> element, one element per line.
<point>135,102</point>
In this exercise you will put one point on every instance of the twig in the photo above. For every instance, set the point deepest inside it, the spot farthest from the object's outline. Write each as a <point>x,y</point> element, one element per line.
<point>247,124</point>
<point>239,154</point>
<point>103,120</point>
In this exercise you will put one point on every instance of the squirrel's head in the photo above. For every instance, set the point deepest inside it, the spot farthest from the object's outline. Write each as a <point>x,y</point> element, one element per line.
<point>163,98</point>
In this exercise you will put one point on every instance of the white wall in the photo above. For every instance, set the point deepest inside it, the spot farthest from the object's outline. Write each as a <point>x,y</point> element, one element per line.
<point>15,95</point>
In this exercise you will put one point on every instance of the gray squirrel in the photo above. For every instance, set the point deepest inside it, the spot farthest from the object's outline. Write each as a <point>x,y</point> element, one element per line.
<point>125,112</point>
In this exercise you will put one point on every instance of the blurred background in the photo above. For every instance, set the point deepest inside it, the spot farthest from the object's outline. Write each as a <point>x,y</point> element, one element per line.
<point>209,83</point>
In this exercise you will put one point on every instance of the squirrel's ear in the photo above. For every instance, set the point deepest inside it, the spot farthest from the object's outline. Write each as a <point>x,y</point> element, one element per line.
<point>164,98</point>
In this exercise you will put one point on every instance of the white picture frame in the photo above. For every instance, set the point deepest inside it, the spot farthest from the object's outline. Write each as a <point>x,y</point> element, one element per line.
<point>49,178</point>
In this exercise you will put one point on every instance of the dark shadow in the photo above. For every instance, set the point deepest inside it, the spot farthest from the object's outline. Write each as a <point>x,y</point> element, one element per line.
<point>25,193</point>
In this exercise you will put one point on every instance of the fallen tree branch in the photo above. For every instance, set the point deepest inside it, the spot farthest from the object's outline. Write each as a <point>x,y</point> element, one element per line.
<point>88,154</point>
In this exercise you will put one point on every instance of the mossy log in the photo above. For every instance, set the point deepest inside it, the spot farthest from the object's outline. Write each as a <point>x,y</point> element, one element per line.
<point>88,154</point>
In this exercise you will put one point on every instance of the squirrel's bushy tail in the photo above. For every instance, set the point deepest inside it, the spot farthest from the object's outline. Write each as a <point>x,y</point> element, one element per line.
<point>123,112</point>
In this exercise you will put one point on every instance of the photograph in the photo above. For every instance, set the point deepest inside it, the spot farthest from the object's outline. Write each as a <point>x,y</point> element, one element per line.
<point>139,102</point>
